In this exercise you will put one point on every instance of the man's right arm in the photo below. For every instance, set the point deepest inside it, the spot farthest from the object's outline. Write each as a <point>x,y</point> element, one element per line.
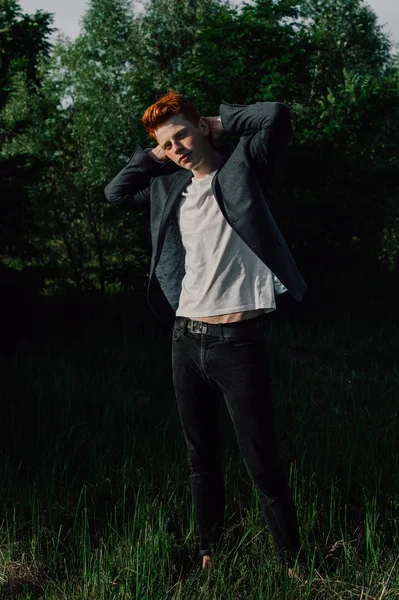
<point>131,186</point>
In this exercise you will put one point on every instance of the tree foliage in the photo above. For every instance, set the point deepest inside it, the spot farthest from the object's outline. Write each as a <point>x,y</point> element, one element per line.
<point>71,118</point>
<point>23,41</point>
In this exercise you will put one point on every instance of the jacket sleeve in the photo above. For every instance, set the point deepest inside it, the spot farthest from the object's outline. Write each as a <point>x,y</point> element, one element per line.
<point>131,186</point>
<point>265,127</point>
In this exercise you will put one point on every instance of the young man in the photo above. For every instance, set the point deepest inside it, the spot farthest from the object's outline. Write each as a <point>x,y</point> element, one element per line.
<point>218,261</point>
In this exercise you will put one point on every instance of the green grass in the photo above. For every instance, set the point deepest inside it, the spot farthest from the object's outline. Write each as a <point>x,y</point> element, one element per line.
<point>94,482</point>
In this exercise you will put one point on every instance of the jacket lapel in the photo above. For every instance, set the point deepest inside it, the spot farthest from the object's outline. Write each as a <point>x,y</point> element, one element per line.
<point>176,189</point>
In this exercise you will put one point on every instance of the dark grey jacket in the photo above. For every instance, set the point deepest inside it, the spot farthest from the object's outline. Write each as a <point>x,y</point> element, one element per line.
<point>240,186</point>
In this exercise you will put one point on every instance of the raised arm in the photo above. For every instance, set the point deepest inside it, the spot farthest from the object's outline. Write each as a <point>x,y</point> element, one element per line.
<point>131,186</point>
<point>265,128</point>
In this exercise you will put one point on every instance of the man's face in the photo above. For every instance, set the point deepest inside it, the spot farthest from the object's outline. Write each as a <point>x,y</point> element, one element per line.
<point>182,141</point>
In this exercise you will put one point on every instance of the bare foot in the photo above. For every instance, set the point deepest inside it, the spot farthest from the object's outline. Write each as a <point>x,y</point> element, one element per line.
<point>206,562</point>
<point>296,576</point>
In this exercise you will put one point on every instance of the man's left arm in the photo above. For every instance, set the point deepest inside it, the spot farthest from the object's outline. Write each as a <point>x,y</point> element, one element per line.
<point>265,128</point>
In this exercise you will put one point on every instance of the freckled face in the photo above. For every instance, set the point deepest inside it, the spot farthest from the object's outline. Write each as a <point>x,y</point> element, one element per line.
<point>182,141</point>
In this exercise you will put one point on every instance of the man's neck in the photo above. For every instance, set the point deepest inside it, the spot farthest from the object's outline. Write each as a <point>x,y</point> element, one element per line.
<point>211,162</point>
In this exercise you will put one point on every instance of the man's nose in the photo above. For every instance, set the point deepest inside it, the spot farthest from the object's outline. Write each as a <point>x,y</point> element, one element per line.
<point>177,147</point>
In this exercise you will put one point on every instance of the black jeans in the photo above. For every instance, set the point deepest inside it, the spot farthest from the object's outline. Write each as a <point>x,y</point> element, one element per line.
<point>230,361</point>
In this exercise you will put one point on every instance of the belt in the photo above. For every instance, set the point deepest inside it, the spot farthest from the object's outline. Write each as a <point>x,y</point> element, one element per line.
<point>249,328</point>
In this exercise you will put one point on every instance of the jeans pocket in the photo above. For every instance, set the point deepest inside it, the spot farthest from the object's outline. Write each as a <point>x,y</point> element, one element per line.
<point>247,338</point>
<point>176,333</point>
<point>240,343</point>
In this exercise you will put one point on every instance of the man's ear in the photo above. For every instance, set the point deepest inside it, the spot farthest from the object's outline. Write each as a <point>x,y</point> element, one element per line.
<point>203,125</point>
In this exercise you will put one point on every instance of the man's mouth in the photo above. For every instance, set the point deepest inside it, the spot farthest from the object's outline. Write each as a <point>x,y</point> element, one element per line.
<point>185,157</point>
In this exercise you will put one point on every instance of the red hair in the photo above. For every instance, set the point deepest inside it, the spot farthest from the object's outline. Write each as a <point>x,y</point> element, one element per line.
<point>169,105</point>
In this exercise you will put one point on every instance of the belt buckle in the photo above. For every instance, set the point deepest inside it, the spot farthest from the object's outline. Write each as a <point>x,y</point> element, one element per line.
<point>198,327</point>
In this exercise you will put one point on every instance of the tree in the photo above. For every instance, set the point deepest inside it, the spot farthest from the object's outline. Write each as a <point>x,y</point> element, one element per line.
<point>256,53</point>
<point>23,41</point>
<point>345,35</point>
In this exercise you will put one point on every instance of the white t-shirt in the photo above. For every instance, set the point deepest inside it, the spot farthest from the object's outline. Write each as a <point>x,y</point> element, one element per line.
<point>222,274</point>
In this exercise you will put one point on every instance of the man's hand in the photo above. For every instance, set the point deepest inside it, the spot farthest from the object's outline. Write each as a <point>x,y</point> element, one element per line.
<point>157,154</point>
<point>215,130</point>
